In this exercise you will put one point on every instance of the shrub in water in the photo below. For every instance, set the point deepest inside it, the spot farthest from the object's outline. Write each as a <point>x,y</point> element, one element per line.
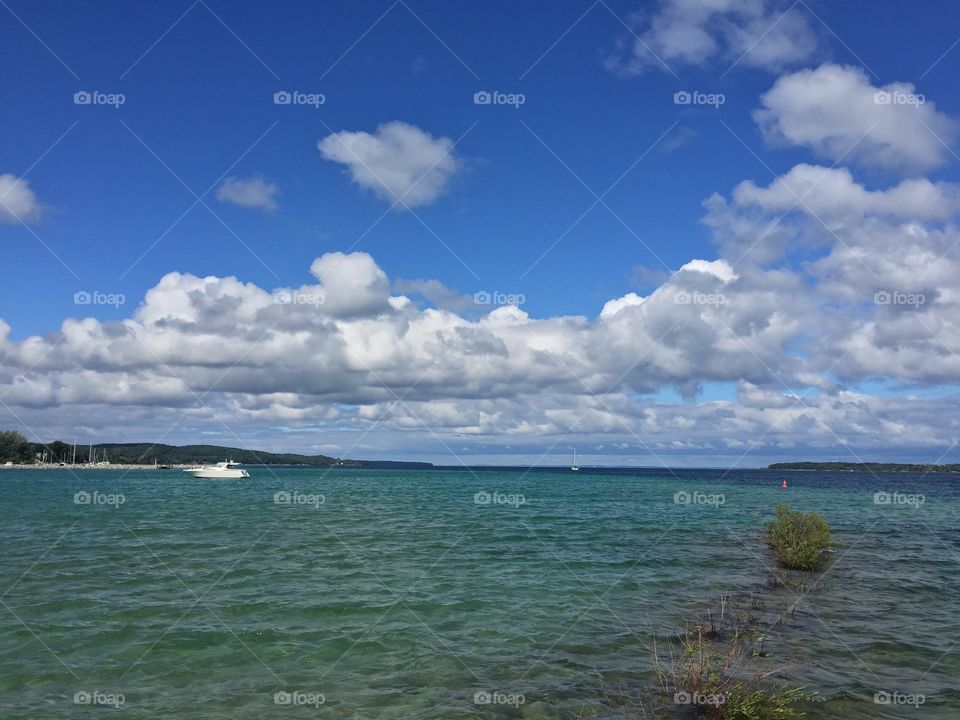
<point>798,539</point>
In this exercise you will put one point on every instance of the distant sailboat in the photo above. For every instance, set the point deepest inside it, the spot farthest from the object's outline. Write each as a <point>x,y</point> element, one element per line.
<point>573,465</point>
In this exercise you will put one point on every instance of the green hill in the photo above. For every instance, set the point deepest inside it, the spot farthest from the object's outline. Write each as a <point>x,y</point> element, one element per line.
<point>178,455</point>
<point>863,467</point>
<point>16,448</point>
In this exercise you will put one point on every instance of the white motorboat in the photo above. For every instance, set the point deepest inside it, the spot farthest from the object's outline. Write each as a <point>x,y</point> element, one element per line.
<point>226,470</point>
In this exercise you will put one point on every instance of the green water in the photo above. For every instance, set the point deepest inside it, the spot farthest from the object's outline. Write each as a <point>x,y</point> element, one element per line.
<point>399,596</point>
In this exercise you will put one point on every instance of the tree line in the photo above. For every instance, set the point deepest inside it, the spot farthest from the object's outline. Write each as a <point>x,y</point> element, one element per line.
<point>15,448</point>
<point>864,467</point>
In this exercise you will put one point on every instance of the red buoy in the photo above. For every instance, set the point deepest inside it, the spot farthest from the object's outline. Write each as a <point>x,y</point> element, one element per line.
<point>784,484</point>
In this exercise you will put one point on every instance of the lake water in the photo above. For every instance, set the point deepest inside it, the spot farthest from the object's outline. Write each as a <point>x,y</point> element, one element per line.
<point>405,594</point>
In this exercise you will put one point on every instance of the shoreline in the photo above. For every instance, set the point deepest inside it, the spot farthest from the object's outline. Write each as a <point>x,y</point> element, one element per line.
<point>111,466</point>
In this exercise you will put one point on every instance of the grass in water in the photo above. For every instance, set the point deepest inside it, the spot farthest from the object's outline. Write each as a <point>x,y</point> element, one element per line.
<point>717,666</point>
<point>798,539</point>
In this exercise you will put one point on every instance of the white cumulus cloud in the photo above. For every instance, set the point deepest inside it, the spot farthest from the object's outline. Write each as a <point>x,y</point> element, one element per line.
<point>832,193</point>
<point>720,269</point>
<point>870,298</point>
<point>252,192</point>
<point>17,200</point>
<point>836,112</point>
<point>400,163</point>
<point>767,34</point>
<point>612,307</point>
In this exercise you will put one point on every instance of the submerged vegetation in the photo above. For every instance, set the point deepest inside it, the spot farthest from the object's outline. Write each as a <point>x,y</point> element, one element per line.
<point>718,666</point>
<point>798,539</point>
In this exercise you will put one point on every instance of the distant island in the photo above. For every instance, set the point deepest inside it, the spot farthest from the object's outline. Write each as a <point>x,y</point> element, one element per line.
<point>15,448</point>
<point>863,467</point>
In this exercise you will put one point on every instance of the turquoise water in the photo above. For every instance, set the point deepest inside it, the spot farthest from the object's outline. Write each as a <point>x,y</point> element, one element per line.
<point>397,595</point>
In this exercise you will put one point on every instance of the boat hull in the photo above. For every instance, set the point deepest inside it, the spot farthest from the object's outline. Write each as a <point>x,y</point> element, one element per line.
<point>210,474</point>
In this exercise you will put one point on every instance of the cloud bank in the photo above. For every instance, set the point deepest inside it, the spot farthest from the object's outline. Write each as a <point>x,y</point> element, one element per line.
<point>329,361</point>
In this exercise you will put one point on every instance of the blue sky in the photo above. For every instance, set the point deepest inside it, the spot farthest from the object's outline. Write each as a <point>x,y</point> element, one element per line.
<point>200,99</point>
<point>112,184</point>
